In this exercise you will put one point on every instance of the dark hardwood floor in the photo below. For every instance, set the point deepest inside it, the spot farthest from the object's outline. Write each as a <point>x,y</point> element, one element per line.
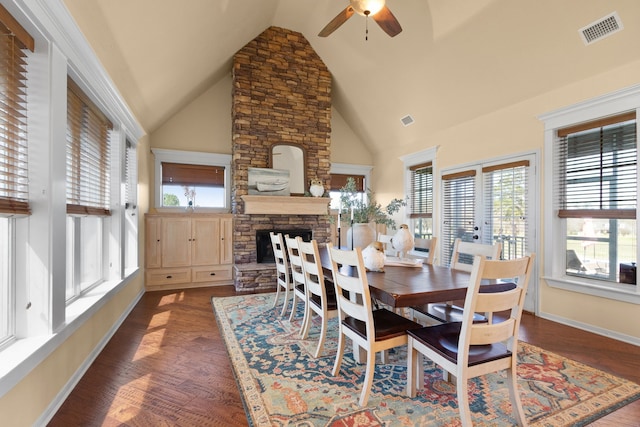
<point>167,366</point>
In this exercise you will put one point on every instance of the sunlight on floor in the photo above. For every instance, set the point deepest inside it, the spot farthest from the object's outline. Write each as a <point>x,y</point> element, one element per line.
<point>122,403</point>
<point>151,340</point>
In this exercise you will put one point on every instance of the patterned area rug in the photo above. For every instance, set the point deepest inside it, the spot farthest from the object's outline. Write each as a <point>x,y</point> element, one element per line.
<point>282,384</point>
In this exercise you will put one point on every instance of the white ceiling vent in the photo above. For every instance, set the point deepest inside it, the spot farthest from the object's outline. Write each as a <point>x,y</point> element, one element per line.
<point>407,120</point>
<point>601,28</point>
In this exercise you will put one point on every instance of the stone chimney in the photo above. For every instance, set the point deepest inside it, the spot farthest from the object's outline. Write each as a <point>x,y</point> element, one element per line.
<point>281,94</point>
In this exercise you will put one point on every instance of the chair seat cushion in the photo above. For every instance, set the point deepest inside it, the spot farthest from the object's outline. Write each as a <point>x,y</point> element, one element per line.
<point>387,324</point>
<point>443,339</point>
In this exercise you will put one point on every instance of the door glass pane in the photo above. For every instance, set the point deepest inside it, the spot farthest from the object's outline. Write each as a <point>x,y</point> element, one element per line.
<point>458,213</point>
<point>505,210</point>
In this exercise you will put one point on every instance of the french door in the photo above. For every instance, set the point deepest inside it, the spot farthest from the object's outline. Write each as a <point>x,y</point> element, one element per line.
<point>488,203</point>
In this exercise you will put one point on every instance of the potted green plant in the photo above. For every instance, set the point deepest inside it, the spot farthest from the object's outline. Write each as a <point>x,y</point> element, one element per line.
<point>360,212</point>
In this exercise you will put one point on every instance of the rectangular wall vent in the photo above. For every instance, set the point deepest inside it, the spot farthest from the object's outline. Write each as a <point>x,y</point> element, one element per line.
<point>407,120</point>
<point>601,28</point>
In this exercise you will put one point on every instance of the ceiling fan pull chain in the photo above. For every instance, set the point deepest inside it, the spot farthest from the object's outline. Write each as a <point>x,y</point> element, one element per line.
<point>366,31</point>
<point>366,25</point>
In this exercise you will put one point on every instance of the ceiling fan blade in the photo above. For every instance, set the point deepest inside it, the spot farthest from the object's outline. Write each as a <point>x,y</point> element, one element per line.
<point>340,19</point>
<point>387,22</point>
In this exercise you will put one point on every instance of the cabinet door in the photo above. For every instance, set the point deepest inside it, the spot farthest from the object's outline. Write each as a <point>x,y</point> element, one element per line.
<point>176,242</point>
<point>205,234</point>
<point>153,253</point>
<point>226,240</point>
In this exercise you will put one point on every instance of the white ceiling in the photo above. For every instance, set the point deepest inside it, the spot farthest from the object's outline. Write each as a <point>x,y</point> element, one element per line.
<point>454,60</point>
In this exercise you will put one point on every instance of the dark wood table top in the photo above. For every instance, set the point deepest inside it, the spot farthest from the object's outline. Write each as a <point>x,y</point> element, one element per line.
<point>414,286</point>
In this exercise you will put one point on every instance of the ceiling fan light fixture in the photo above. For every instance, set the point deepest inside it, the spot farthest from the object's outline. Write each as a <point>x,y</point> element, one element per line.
<point>367,7</point>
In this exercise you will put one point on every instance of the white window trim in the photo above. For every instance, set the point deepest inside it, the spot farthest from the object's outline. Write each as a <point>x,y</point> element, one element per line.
<point>191,158</point>
<point>624,100</point>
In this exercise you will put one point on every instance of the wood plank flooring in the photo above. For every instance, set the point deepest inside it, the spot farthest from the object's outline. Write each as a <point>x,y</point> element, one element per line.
<point>167,366</point>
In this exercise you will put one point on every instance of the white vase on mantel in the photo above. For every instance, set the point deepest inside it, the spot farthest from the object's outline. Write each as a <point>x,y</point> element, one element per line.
<point>360,235</point>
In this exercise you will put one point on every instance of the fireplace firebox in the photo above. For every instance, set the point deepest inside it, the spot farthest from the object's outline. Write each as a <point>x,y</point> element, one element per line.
<point>264,249</point>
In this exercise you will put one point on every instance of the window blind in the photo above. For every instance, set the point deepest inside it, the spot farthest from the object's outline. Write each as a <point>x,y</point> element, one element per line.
<point>421,191</point>
<point>340,180</point>
<point>597,169</point>
<point>15,43</point>
<point>192,175</point>
<point>458,209</point>
<point>88,151</point>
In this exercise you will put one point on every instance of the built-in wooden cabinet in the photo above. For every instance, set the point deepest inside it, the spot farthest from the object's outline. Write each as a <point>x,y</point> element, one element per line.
<point>188,250</point>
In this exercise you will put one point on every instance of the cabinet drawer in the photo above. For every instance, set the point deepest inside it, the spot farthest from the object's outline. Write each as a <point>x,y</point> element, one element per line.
<point>167,276</point>
<point>211,273</point>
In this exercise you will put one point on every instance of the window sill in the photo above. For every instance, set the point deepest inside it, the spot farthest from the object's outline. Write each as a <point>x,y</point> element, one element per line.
<point>622,292</point>
<point>23,355</point>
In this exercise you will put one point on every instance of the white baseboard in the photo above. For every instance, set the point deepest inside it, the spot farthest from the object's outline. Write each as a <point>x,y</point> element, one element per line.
<point>590,328</point>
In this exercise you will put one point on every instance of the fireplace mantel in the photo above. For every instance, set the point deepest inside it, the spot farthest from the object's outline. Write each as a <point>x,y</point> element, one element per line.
<point>286,205</point>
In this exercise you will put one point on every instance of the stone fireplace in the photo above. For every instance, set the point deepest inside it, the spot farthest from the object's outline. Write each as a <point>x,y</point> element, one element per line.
<point>281,94</point>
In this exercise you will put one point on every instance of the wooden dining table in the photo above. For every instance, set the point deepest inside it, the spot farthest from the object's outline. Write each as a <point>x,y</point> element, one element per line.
<point>403,286</point>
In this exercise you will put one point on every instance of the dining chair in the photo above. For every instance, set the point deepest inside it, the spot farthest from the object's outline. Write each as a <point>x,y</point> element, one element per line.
<point>369,329</point>
<point>283,273</point>
<point>297,277</point>
<point>385,239</point>
<point>468,349</point>
<point>462,251</point>
<point>320,295</point>
<point>428,246</point>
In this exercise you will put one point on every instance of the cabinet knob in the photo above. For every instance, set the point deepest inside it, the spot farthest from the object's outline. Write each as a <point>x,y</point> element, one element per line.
<point>169,277</point>
<point>212,274</point>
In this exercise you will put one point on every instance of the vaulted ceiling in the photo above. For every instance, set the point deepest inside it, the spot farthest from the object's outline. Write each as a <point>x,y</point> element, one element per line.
<point>455,60</point>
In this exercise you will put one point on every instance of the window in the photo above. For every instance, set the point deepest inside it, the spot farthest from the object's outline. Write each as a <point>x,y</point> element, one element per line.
<point>338,181</point>
<point>506,203</point>
<point>459,219</point>
<point>419,186</point>
<point>421,200</point>
<point>591,238</point>
<point>15,45</point>
<point>183,176</point>
<point>88,184</point>
<point>196,185</point>
<point>35,315</point>
<point>596,166</point>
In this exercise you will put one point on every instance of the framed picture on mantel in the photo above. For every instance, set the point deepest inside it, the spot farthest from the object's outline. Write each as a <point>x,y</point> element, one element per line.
<point>269,182</point>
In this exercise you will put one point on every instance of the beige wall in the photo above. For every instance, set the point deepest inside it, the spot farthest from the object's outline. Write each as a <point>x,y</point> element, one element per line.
<point>515,130</point>
<point>205,125</point>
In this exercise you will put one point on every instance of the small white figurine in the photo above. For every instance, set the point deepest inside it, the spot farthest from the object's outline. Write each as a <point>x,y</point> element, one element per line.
<point>402,241</point>
<point>374,257</point>
<point>316,189</point>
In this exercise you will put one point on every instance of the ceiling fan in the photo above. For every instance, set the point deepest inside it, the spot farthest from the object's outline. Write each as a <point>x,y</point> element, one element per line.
<point>374,8</point>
